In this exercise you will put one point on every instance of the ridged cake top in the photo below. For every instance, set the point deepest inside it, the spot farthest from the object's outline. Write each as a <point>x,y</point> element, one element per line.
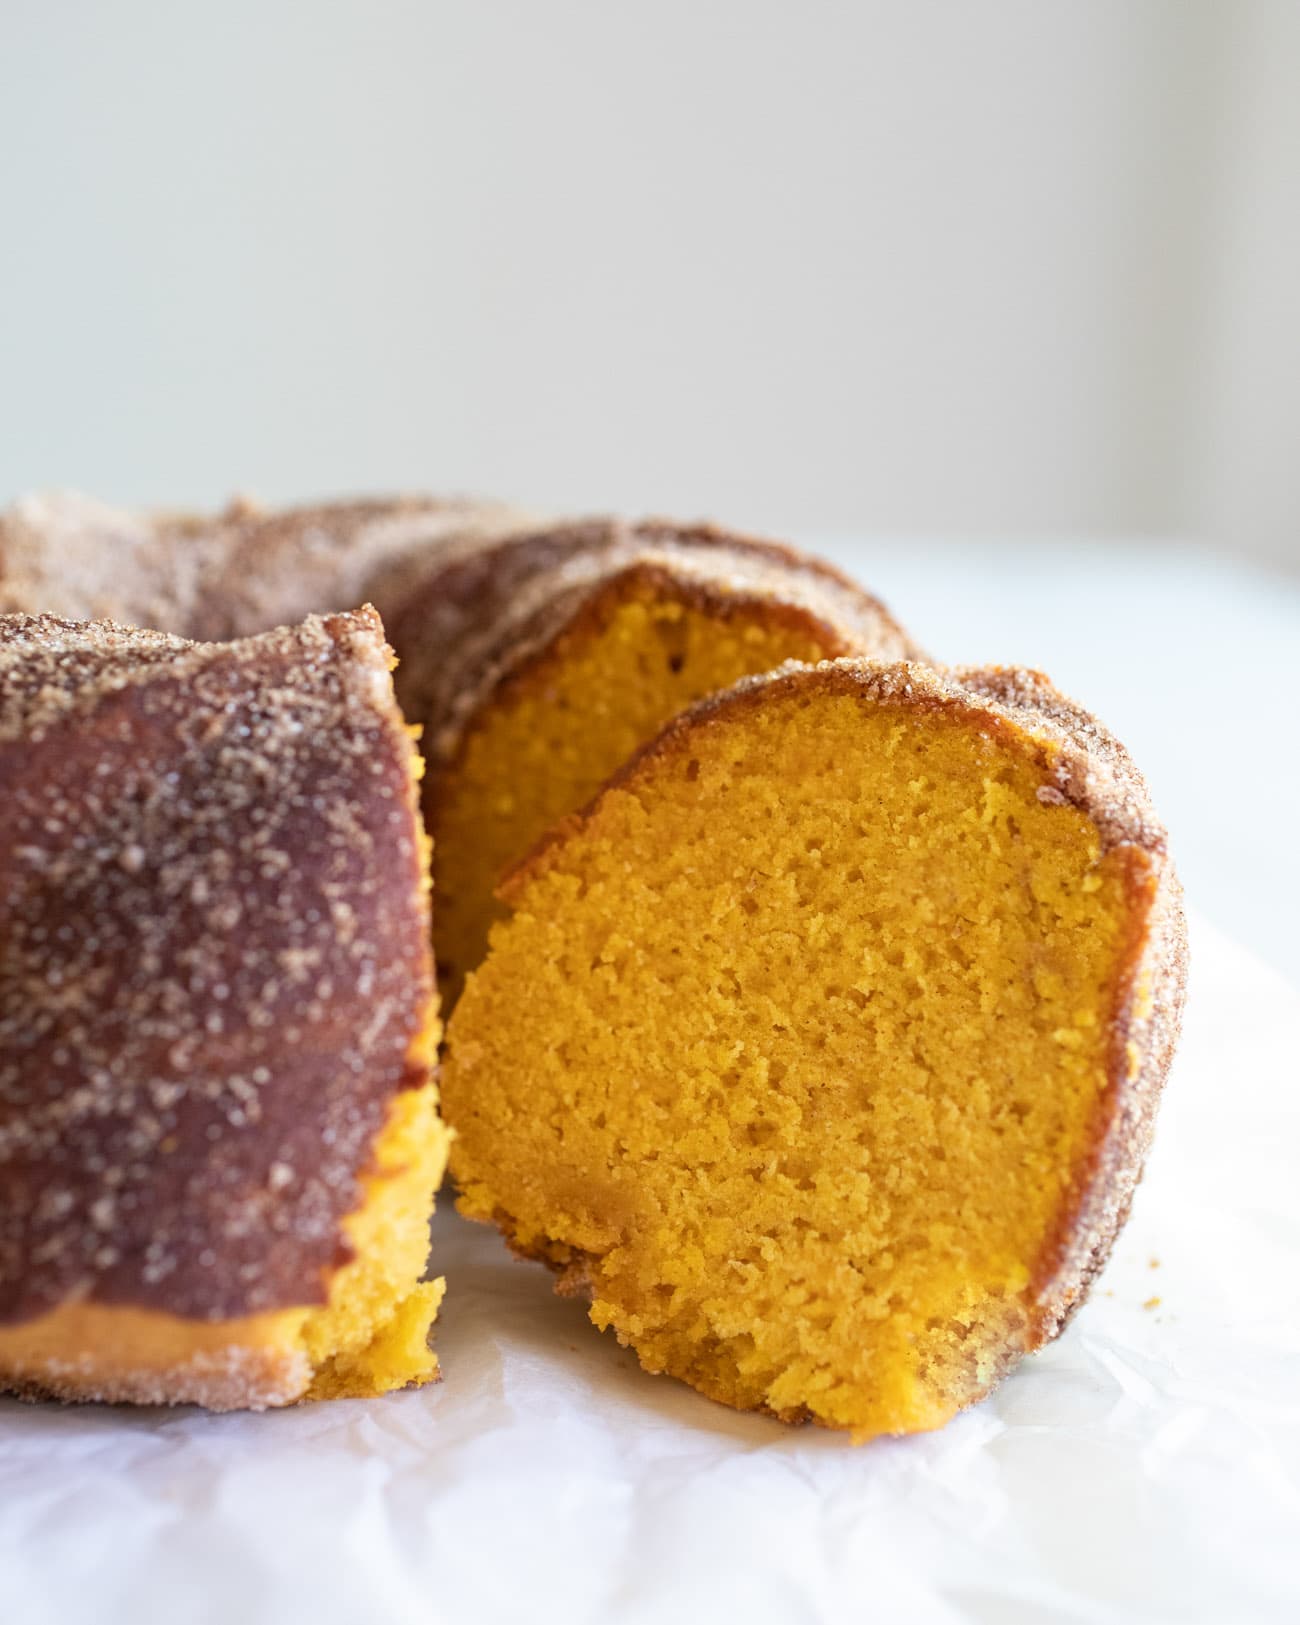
<point>224,575</point>
<point>469,590</point>
<point>213,959</point>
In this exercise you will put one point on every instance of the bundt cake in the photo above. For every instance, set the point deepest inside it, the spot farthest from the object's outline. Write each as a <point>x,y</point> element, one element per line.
<point>822,1049</point>
<point>536,664</point>
<point>219,1138</point>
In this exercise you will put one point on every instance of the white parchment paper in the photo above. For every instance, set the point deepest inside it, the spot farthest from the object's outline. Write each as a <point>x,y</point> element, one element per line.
<point>1146,1467</point>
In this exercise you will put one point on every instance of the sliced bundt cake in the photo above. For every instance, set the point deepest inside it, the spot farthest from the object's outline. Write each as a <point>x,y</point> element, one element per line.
<point>821,1051</point>
<point>219,1139</point>
<point>533,660</point>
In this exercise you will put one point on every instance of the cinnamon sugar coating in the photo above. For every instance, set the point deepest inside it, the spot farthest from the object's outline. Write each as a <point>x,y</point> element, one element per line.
<point>213,959</point>
<point>212,577</point>
<point>468,590</point>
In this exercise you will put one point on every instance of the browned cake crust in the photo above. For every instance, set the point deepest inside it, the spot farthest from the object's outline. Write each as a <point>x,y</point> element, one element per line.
<point>1093,771</point>
<point>1083,764</point>
<point>66,555</point>
<point>470,591</point>
<point>276,567</point>
<point>488,607</point>
<point>218,576</point>
<point>209,986</point>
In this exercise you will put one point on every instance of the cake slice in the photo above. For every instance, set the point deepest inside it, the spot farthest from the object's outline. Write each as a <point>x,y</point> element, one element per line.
<point>821,1050</point>
<point>219,1137</point>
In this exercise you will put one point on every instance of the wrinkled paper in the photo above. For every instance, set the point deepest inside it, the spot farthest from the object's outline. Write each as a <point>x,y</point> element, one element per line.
<point>1145,1467</point>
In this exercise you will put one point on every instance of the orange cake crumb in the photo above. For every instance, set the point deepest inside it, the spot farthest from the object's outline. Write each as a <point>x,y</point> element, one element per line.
<point>821,1051</point>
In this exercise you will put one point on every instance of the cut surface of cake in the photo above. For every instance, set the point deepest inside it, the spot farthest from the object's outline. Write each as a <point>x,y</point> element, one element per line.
<point>537,664</point>
<point>821,1050</point>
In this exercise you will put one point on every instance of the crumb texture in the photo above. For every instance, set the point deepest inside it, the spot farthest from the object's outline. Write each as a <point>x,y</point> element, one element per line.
<point>821,1051</point>
<point>539,664</point>
<point>546,742</point>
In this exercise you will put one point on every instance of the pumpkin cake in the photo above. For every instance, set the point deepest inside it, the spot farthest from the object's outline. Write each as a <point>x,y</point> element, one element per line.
<point>821,1051</point>
<point>537,664</point>
<point>219,1138</point>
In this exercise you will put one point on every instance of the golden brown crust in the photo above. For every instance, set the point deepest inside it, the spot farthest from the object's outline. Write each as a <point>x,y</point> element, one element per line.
<point>214,960</point>
<point>1082,763</point>
<point>106,1354</point>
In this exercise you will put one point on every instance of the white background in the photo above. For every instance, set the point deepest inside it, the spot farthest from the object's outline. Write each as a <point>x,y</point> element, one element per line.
<point>931,267</point>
